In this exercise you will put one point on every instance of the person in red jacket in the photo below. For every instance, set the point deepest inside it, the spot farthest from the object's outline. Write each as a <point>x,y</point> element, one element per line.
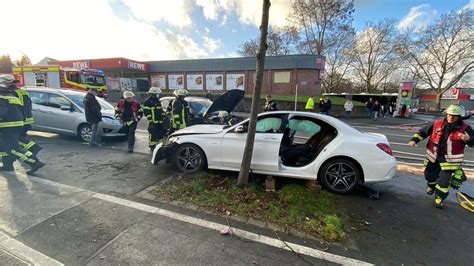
<point>445,152</point>
<point>129,112</point>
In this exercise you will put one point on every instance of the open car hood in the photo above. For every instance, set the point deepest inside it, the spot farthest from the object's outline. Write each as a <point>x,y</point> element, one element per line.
<point>227,101</point>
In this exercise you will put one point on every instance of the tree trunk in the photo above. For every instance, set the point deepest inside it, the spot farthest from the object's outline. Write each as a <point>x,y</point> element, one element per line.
<point>438,101</point>
<point>247,158</point>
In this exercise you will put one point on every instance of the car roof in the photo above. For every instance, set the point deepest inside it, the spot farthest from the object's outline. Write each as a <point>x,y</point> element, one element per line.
<point>53,90</point>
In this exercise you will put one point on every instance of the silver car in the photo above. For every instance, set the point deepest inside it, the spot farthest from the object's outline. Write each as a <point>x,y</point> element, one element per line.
<point>61,111</point>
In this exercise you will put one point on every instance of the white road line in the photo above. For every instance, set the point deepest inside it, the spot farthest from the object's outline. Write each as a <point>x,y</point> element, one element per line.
<point>366,127</point>
<point>409,153</point>
<point>141,131</point>
<point>211,225</point>
<point>25,253</point>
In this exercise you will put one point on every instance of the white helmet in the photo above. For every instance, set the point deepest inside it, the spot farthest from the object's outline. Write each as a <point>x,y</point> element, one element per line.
<point>128,94</point>
<point>180,92</point>
<point>154,90</point>
<point>222,114</point>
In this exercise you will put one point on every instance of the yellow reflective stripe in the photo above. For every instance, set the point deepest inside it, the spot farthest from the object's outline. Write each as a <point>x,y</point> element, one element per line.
<point>11,124</point>
<point>29,121</point>
<point>146,107</point>
<point>442,189</point>
<point>11,99</point>
<point>416,135</point>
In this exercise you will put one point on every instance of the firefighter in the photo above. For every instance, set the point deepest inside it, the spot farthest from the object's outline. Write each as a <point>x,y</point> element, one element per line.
<point>154,114</point>
<point>129,112</point>
<point>179,110</point>
<point>445,152</point>
<point>309,104</point>
<point>270,105</point>
<point>25,100</point>
<point>12,119</point>
<point>225,119</point>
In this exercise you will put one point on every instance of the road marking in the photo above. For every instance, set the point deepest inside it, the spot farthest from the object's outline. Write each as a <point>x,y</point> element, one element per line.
<point>211,225</point>
<point>22,251</point>
<point>367,127</point>
<point>398,143</point>
<point>141,131</point>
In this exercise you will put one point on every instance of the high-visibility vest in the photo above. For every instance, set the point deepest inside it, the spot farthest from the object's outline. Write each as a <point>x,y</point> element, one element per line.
<point>309,104</point>
<point>454,145</point>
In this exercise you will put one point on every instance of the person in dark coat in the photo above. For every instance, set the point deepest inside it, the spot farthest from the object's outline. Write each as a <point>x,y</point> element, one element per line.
<point>93,115</point>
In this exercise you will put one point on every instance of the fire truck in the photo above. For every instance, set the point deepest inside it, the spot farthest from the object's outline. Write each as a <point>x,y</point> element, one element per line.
<point>61,77</point>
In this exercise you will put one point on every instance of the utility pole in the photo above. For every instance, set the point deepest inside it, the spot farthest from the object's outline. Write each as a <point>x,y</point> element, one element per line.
<point>247,158</point>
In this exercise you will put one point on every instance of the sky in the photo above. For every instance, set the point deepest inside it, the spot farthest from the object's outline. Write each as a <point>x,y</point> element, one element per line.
<point>148,30</point>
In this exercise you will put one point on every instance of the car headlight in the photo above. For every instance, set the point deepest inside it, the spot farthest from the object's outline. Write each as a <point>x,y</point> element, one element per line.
<point>173,139</point>
<point>110,121</point>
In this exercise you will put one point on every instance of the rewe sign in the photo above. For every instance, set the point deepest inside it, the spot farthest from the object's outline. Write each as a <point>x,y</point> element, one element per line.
<point>136,65</point>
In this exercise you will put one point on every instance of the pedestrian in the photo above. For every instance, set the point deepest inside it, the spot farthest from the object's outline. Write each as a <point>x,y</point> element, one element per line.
<point>12,117</point>
<point>376,108</point>
<point>93,114</point>
<point>309,104</point>
<point>323,107</point>
<point>270,105</point>
<point>329,105</point>
<point>129,112</point>
<point>403,111</point>
<point>25,100</point>
<point>155,115</point>
<point>445,152</point>
<point>179,111</point>
<point>348,106</point>
<point>369,104</point>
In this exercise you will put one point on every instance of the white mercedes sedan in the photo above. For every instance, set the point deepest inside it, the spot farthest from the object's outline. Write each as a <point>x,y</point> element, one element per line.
<point>299,145</point>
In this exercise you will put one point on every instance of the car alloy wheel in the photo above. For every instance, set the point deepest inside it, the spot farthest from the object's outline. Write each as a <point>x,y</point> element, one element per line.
<point>340,176</point>
<point>189,158</point>
<point>85,132</point>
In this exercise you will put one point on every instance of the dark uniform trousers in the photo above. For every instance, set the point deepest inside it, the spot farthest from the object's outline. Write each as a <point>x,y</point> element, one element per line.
<point>25,141</point>
<point>438,178</point>
<point>10,138</point>
<point>157,132</point>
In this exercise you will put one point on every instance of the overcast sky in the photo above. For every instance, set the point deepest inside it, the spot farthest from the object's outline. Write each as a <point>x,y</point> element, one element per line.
<point>162,30</point>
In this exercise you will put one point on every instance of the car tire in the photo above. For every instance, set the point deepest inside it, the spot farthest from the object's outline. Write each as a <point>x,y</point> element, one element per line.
<point>85,132</point>
<point>340,176</point>
<point>189,158</point>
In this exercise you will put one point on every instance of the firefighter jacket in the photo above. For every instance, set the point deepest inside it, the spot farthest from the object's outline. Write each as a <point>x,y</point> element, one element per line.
<point>11,110</point>
<point>179,113</point>
<point>444,141</point>
<point>270,106</point>
<point>25,100</point>
<point>309,104</point>
<point>128,112</point>
<point>153,111</point>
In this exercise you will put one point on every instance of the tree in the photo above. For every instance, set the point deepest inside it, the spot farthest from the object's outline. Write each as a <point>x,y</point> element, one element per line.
<point>373,54</point>
<point>337,60</point>
<point>318,19</point>
<point>280,41</point>
<point>24,61</point>
<point>442,54</point>
<point>247,158</point>
<point>5,64</point>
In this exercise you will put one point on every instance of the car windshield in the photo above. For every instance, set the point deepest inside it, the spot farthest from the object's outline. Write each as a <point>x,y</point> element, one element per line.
<point>200,106</point>
<point>94,80</point>
<point>78,100</point>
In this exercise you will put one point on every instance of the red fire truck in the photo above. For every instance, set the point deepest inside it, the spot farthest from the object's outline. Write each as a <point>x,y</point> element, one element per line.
<point>61,77</point>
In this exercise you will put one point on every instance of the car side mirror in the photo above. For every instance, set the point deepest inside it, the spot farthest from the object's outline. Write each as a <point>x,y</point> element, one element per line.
<point>239,129</point>
<point>65,107</point>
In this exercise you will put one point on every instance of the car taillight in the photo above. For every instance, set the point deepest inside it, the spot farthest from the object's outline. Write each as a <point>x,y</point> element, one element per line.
<point>385,147</point>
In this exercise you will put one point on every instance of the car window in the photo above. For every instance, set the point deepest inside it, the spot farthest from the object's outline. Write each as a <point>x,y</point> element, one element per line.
<point>269,125</point>
<point>56,101</point>
<point>38,97</point>
<point>199,107</point>
<point>78,100</point>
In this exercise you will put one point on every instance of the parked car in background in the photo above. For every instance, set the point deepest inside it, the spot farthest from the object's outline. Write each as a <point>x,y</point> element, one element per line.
<point>203,110</point>
<point>291,144</point>
<point>61,111</point>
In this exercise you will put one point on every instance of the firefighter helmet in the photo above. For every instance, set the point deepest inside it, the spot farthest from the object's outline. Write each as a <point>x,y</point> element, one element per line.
<point>8,79</point>
<point>128,94</point>
<point>154,90</point>
<point>222,114</point>
<point>455,109</point>
<point>180,92</point>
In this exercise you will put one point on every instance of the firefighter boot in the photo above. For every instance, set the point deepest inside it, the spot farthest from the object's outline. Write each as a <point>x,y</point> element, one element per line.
<point>438,202</point>
<point>430,190</point>
<point>34,167</point>
<point>7,164</point>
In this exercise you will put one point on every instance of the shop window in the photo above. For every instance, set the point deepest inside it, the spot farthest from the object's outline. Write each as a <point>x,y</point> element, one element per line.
<point>281,77</point>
